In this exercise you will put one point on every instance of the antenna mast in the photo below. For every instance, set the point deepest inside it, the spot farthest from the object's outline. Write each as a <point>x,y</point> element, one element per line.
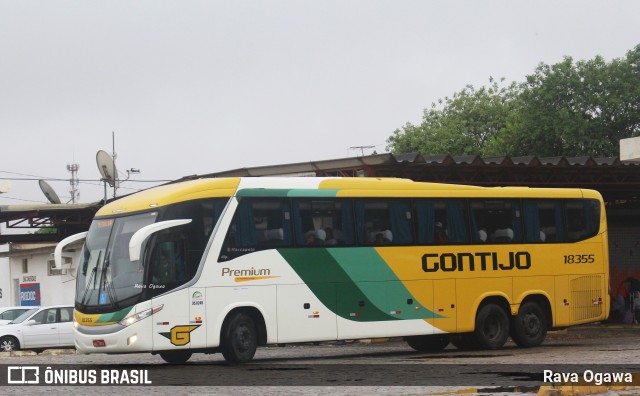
<point>361,148</point>
<point>74,182</point>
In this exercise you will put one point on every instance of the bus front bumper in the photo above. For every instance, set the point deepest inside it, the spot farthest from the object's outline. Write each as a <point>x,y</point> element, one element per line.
<point>102,339</point>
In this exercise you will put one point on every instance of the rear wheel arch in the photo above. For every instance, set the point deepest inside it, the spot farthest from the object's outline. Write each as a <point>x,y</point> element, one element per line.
<point>543,302</point>
<point>491,326</point>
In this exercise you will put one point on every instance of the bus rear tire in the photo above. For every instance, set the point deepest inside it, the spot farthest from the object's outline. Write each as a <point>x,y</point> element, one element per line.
<point>492,327</point>
<point>428,343</point>
<point>529,328</point>
<point>239,339</point>
<point>175,357</point>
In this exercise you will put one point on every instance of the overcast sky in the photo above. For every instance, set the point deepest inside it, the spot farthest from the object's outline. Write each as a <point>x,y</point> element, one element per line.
<point>193,87</point>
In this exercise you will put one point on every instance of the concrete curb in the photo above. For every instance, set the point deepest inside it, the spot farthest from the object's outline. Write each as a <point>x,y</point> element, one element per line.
<point>50,352</point>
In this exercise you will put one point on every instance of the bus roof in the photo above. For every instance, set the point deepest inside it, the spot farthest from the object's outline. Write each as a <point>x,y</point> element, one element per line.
<point>319,187</point>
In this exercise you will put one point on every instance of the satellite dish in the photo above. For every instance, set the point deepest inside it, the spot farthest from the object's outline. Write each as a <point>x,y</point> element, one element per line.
<point>5,186</point>
<point>107,168</point>
<point>48,192</point>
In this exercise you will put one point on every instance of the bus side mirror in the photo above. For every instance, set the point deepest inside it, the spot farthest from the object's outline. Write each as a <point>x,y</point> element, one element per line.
<point>135,244</point>
<point>57,253</point>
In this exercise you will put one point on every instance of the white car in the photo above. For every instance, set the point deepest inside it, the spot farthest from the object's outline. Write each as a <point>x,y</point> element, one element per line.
<point>39,329</point>
<point>7,314</point>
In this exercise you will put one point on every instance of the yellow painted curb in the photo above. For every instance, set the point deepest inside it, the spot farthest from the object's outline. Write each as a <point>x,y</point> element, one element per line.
<point>578,390</point>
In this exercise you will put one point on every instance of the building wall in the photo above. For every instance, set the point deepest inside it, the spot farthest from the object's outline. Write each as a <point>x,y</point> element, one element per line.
<point>5,283</point>
<point>37,286</point>
<point>624,252</point>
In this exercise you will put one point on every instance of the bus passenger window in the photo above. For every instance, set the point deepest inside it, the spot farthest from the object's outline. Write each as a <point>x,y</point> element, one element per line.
<point>322,222</point>
<point>496,221</point>
<point>582,219</point>
<point>441,221</point>
<point>384,222</point>
<point>258,224</point>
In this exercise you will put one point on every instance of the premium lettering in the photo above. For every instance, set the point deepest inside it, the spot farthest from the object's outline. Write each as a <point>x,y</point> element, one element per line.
<point>481,261</point>
<point>246,272</point>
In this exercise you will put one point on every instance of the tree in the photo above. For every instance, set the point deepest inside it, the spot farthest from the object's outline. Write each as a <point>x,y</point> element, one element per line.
<point>571,109</point>
<point>467,123</point>
<point>579,109</point>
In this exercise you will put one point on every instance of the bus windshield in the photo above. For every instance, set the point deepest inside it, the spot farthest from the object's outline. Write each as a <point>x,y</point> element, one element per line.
<point>108,279</point>
<point>106,275</point>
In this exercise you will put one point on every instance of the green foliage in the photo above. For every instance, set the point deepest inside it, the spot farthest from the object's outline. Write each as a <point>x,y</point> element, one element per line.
<point>47,230</point>
<point>570,109</point>
<point>470,122</point>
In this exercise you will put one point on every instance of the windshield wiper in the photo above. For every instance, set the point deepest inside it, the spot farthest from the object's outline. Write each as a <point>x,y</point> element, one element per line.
<point>92,277</point>
<point>108,287</point>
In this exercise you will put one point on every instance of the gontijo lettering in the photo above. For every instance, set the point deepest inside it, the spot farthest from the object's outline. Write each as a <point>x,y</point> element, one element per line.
<point>448,262</point>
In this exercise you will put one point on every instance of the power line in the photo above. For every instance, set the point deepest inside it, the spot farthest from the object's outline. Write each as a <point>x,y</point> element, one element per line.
<point>20,199</point>
<point>36,178</point>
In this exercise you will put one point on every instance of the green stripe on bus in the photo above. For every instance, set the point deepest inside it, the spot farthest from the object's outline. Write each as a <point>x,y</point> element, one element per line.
<point>114,316</point>
<point>368,269</point>
<point>312,193</point>
<point>262,192</point>
<point>328,280</point>
<point>276,192</point>
<point>356,284</point>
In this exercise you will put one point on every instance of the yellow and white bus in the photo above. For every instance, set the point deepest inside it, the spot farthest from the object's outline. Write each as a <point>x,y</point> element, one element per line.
<point>227,265</point>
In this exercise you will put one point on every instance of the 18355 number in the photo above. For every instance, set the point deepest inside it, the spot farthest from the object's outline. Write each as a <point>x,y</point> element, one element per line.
<point>580,259</point>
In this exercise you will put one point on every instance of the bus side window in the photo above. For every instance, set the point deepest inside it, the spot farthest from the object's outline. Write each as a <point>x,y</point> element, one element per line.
<point>551,220</point>
<point>532,222</point>
<point>322,222</point>
<point>496,221</point>
<point>258,224</point>
<point>441,221</point>
<point>384,222</point>
<point>169,265</point>
<point>582,219</point>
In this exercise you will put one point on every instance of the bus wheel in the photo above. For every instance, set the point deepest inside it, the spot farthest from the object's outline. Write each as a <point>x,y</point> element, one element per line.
<point>530,326</point>
<point>492,327</point>
<point>175,357</point>
<point>239,339</point>
<point>428,343</point>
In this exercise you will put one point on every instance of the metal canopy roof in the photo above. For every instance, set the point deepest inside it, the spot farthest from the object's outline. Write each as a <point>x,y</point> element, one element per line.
<point>617,181</point>
<point>614,179</point>
<point>67,219</point>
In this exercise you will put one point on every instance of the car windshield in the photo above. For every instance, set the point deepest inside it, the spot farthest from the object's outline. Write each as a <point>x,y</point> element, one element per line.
<point>106,275</point>
<point>24,316</point>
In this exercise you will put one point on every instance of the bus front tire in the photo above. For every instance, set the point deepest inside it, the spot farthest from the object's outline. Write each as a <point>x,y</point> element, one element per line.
<point>428,343</point>
<point>492,327</point>
<point>529,328</point>
<point>239,339</point>
<point>175,357</point>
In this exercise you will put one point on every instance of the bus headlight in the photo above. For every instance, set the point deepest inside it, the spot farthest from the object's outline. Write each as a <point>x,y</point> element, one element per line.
<point>131,319</point>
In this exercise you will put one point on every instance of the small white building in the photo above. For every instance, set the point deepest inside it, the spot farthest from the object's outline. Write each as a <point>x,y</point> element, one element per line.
<point>5,299</point>
<point>31,278</point>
